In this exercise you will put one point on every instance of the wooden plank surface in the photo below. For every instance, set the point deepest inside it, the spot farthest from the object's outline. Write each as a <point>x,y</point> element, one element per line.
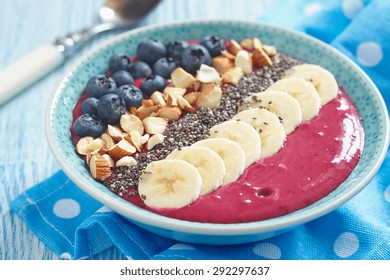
<point>25,158</point>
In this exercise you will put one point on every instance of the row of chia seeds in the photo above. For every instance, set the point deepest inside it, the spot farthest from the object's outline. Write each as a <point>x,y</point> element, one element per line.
<point>193,127</point>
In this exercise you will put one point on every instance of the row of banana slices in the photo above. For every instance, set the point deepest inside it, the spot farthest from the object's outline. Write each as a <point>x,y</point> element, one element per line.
<point>259,129</point>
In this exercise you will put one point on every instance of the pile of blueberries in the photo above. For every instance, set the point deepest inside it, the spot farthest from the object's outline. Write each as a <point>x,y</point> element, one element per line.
<point>109,96</point>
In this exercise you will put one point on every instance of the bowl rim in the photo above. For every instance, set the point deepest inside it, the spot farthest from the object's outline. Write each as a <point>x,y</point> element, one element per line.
<point>145,217</point>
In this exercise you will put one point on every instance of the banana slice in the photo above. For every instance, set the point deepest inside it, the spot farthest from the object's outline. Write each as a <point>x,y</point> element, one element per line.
<point>304,92</point>
<point>209,164</point>
<point>242,133</point>
<point>282,104</point>
<point>323,80</point>
<point>231,153</point>
<point>169,184</point>
<point>267,124</point>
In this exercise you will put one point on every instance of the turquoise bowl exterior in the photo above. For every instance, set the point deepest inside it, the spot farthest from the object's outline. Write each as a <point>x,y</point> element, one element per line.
<point>356,83</point>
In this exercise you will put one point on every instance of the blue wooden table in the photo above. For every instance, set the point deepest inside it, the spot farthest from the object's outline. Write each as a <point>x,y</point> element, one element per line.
<point>25,157</point>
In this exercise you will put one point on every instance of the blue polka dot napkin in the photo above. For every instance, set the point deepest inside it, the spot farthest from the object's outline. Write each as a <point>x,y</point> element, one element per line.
<point>75,226</point>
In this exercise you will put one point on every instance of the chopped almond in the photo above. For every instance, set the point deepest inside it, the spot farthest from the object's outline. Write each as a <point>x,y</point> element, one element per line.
<point>244,61</point>
<point>155,125</point>
<point>222,64</point>
<point>192,96</point>
<point>171,113</point>
<point>154,140</point>
<point>257,43</point>
<point>157,98</point>
<point>207,74</point>
<point>270,50</point>
<point>131,123</point>
<point>143,112</point>
<point>99,167</point>
<point>114,132</point>
<point>211,99</point>
<point>181,78</point>
<point>121,149</point>
<point>147,102</point>
<point>233,76</point>
<point>96,144</point>
<point>247,43</point>
<point>107,140</point>
<point>261,58</point>
<point>234,47</point>
<point>82,145</point>
<point>126,161</point>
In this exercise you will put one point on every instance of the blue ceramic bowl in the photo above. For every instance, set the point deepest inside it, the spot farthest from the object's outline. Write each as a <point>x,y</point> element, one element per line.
<point>356,83</point>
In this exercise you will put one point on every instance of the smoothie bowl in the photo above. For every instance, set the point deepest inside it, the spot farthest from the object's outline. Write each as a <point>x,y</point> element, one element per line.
<point>248,131</point>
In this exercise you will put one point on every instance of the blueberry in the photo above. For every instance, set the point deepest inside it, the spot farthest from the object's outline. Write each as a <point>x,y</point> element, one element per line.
<point>213,44</point>
<point>89,106</point>
<point>100,85</point>
<point>131,95</point>
<point>140,69</point>
<point>193,56</point>
<point>119,62</point>
<point>175,48</point>
<point>164,67</point>
<point>150,50</point>
<point>122,77</point>
<point>110,108</point>
<point>89,125</point>
<point>152,84</point>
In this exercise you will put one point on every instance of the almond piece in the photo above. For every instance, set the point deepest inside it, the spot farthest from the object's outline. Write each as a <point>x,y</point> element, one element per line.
<point>108,141</point>
<point>192,96</point>
<point>96,144</point>
<point>222,64</point>
<point>261,58</point>
<point>154,140</point>
<point>144,138</point>
<point>155,125</point>
<point>243,60</point>
<point>131,123</point>
<point>257,43</point>
<point>157,98</point>
<point>135,140</point>
<point>109,160</point>
<point>147,102</point>
<point>182,79</point>
<point>210,100</point>
<point>126,161</point>
<point>121,149</point>
<point>207,74</point>
<point>82,145</point>
<point>183,103</point>
<point>171,113</point>
<point>247,43</point>
<point>99,167</point>
<point>143,112</point>
<point>233,76</point>
<point>234,47</point>
<point>206,88</point>
<point>115,133</point>
<point>270,50</point>
<point>228,55</point>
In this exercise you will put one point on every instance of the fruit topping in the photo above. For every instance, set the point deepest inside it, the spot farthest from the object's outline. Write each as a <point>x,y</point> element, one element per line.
<point>213,44</point>
<point>110,108</point>
<point>175,49</point>
<point>132,95</point>
<point>193,57</point>
<point>164,67</point>
<point>140,69</point>
<point>100,85</point>
<point>89,106</point>
<point>119,62</point>
<point>152,84</point>
<point>88,125</point>
<point>150,50</point>
<point>122,77</point>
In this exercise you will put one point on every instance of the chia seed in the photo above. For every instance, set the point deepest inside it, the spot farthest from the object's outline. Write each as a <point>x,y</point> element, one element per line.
<point>193,127</point>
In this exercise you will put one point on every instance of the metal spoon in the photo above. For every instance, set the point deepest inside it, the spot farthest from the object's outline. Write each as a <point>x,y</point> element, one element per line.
<point>114,15</point>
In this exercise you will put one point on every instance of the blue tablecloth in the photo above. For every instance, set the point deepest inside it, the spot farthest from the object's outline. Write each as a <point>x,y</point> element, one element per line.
<point>360,229</point>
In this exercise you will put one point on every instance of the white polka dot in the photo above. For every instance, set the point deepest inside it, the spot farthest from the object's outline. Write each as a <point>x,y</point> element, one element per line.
<point>346,245</point>
<point>369,54</point>
<point>312,8</point>
<point>65,256</point>
<point>104,209</point>
<point>351,8</point>
<point>387,193</point>
<point>129,257</point>
<point>182,247</point>
<point>66,208</point>
<point>267,250</point>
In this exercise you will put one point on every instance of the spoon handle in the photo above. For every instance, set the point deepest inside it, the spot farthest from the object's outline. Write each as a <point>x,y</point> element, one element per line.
<point>29,69</point>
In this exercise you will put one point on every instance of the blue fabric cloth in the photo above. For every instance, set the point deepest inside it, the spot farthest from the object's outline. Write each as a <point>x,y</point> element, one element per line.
<point>360,229</point>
